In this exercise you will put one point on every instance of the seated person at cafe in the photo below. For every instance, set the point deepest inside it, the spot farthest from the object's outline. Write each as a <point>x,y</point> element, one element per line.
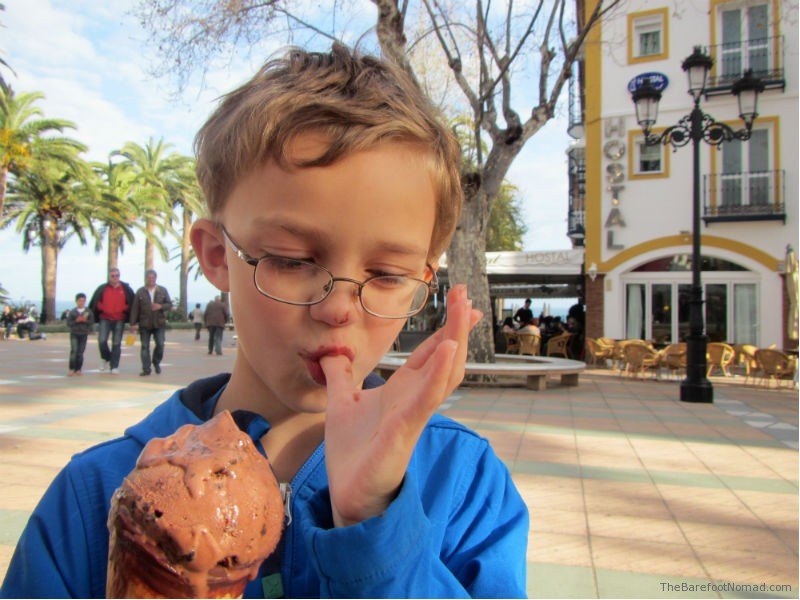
<point>531,326</point>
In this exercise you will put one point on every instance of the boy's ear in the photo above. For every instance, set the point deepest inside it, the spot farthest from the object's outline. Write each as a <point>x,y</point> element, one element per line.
<point>429,273</point>
<point>209,247</point>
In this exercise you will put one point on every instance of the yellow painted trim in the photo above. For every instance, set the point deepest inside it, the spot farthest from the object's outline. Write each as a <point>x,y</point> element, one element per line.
<point>632,18</point>
<point>713,241</point>
<point>594,140</point>
<point>774,125</point>
<point>776,30</point>
<point>633,154</point>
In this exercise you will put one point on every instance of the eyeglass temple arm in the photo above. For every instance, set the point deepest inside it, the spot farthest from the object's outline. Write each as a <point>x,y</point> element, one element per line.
<point>239,252</point>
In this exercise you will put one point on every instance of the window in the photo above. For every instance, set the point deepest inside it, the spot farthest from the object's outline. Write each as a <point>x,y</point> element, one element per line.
<point>746,178</point>
<point>657,301</point>
<point>649,159</point>
<point>635,312</point>
<point>647,35</point>
<point>646,161</point>
<point>744,31</point>
<point>661,312</point>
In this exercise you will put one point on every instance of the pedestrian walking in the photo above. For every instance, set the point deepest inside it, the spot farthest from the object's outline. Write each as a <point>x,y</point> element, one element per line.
<point>217,315</point>
<point>111,305</point>
<point>198,319</point>
<point>8,320</point>
<point>149,316</point>
<point>79,320</point>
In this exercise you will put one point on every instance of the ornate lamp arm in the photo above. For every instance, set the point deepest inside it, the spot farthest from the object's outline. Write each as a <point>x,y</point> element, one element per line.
<point>696,125</point>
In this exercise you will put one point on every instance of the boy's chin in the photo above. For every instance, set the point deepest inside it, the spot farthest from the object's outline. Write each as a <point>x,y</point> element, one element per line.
<point>312,399</point>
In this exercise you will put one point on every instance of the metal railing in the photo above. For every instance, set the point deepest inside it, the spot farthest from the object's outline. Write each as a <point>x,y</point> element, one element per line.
<point>575,126</point>
<point>765,56</point>
<point>577,193</point>
<point>745,196</point>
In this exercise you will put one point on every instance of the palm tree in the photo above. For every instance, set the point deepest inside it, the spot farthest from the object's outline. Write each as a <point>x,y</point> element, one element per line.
<point>23,136</point>
<point>116,183</point>
<point>185,193</point>
<point>51,202</point>
<point>155,175</point>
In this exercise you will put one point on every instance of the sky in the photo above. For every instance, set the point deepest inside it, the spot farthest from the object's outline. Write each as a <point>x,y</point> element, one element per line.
<point>91,61</point>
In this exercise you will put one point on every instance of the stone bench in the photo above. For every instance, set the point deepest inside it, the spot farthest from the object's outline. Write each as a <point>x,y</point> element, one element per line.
<point>535,369</point>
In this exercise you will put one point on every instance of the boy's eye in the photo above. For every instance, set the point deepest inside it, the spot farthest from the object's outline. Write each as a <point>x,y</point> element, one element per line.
<point>389,281</point>
<point>284,263</point>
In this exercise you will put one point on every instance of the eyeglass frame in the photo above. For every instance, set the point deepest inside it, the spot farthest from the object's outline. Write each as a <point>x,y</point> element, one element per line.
<point>432,285</point>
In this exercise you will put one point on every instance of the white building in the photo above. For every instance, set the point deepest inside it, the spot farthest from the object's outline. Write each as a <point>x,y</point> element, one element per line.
<point>635,201</point>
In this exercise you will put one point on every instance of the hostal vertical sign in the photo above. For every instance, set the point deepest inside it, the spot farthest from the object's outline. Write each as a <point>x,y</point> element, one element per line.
<point>613,150</point>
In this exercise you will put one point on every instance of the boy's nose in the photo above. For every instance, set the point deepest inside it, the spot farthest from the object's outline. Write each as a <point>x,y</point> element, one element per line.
<point>337,309</point>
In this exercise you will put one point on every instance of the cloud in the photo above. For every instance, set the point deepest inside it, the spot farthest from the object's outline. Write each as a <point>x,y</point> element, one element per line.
<point>90,60</point>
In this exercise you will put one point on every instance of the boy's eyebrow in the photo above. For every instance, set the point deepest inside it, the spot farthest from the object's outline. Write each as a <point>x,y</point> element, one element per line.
<point>318,234</point>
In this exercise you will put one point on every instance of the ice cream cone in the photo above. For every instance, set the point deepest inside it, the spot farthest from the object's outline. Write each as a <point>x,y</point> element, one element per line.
<point>196,518</point>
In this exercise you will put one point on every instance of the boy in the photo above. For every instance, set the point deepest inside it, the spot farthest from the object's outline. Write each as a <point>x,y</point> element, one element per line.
<point>79,320</point>
<point>332,189</point>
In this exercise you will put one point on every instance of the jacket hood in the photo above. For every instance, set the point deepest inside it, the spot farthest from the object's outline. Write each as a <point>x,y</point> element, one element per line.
<point>184,406</point>
<point>191,405</point>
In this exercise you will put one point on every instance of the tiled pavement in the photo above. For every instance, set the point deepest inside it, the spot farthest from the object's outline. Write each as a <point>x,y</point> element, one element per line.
<point>631,492</point>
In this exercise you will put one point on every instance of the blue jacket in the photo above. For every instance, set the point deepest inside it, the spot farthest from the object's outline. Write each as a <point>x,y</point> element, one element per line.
<point>457,528</point>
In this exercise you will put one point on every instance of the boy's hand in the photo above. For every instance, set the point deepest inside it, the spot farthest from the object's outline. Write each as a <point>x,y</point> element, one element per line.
<point>371,434</point>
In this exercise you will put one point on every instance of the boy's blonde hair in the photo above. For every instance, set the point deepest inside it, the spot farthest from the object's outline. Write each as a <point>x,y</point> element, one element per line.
<point>354,101</point>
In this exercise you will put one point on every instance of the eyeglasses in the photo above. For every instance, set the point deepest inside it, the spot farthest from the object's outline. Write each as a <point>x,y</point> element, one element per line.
<point>304,283</point>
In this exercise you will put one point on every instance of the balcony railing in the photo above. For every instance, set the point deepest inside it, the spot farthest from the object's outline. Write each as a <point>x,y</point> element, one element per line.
<point>748,196</point>
<point>575,127</point>
<point>765,56</point>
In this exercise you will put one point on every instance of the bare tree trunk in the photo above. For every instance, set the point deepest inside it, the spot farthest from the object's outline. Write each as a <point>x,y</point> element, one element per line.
<point>186,245</point>
<point>149,248</point>
<point>468,250</point>
<point>114,239</point>
<point>49,232</point>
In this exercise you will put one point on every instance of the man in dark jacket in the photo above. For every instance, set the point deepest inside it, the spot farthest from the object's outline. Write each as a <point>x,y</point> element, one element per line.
<point>111,305</point>
<point>216,316</point>
<point>149,315</point>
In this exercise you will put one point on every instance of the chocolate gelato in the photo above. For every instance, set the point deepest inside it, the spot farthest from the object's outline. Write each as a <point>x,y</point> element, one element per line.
<point>195,518</point>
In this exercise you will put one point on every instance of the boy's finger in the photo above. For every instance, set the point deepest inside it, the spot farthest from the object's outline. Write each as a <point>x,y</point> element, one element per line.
<point>338,375</point>
<point>423,352</point>
<point>462,325</point>
<point>433,379</point>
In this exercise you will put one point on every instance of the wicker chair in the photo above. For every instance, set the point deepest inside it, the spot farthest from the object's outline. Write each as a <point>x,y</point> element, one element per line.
<point>747,357</point>
<point>512,342</point>
<point>640,357</point>
<point>673,358</point>
<point>597,352</point>
<point>557,345</point>
<point>529,343</point>
<point>618,354</point>
<point>719,355</point>
<point>776,365</point>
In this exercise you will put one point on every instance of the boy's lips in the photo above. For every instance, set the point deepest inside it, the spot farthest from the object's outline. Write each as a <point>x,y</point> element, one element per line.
<point>312,360</point>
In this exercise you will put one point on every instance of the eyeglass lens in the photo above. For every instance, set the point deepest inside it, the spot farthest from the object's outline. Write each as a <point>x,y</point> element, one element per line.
<point>301,282</point>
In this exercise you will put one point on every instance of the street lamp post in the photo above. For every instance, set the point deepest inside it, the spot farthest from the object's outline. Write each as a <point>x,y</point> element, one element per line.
<point>696,127</point>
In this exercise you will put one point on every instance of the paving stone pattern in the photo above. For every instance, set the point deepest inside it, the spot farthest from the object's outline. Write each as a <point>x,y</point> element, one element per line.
<point>632,493</point>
